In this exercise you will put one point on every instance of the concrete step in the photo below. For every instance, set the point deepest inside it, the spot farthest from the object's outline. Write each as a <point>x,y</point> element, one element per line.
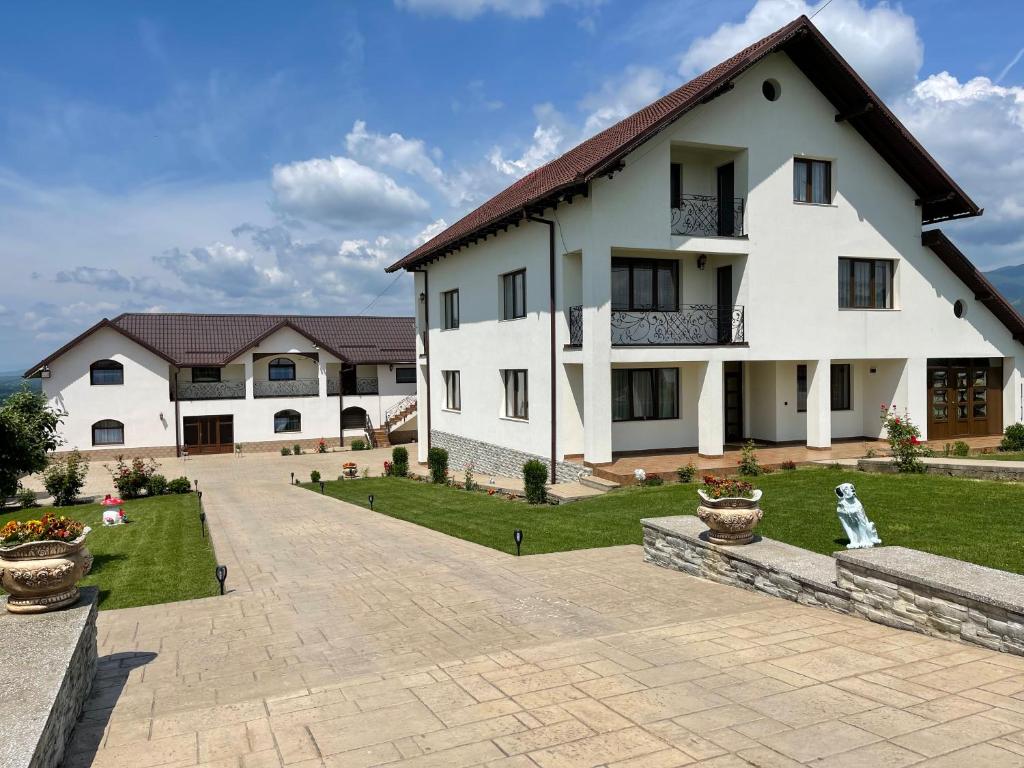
<point>598,483</point>
<point>563,493</point>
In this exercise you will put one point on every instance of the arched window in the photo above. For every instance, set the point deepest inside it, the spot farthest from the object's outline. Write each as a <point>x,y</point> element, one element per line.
<point>288,421</point>
<point>281,369</point>
<point>106,372</point>
<point>108,432</point>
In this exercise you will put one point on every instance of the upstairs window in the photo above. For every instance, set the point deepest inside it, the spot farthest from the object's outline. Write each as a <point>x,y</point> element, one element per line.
<point>405,375</point>
<point>513,291</point>
<point>452,390</point>
<point>108,432</point>
<point>287,421</point>
<point>812,181</point>
<point>641,285</point>
<point>450,307</point>
<point>104,372</point>
<point>516,396</point>
<point>281,369</point>
<point>207,374</point>
<point>865,284</point>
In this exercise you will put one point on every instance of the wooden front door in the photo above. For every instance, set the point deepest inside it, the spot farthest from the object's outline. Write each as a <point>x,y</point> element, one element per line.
<point>965,398</point>
<point>723,310</point>
<point>733,401</point>
<point>209,434</point>
<point>726,192</point>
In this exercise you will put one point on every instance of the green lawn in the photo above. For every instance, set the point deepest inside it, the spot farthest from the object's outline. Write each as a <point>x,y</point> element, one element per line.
<point>995,456</point>
<point>159,557</point>
<point>971,520</point>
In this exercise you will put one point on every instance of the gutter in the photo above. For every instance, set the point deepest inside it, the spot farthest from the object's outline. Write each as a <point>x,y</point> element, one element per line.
<point>426,341</point>
<point>551,316</point>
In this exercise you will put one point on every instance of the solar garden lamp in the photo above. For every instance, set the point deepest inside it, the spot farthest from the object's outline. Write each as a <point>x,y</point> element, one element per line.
<point>293,478</point>
<point>222,575</point>
<point>202,522</point>
<point>371,502</point>
<point>518,536</point>
<point>321,486</point>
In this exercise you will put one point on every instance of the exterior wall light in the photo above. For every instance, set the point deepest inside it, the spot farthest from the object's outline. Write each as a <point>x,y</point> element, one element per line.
<point>702,261</point>
<point>44,372</point>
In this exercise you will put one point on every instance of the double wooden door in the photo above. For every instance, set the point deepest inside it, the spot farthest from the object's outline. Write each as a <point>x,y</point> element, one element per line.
<point>965,398</point>
<point>209,434</point>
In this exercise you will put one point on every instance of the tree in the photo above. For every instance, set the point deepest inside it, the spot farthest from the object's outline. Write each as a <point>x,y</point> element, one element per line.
<point>28,432</point>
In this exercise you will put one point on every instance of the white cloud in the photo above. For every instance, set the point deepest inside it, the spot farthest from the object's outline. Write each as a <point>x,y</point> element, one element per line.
<point>621,96</point>
<point>548,142</point>
<point>109,279</point>
<point>227,270</point>
<point>468,9</point>
<point>881,42</point>
<point>339,191</point>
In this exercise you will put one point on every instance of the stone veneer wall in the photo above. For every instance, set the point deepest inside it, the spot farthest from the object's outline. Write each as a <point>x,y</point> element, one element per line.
<point>894,586</point>
<point>168,451</point>
<point>493,459</point>
<point>47,666</point>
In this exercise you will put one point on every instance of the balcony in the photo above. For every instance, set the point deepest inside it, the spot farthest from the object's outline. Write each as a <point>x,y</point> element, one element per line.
<point>211,390</point>
<point>362,386</point>
<point>289,388</point>
<point>692,325</point>
<point>705,216</point>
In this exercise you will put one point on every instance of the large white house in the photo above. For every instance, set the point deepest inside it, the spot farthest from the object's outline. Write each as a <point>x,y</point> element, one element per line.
<point>743,258</point>
<point>161,384</point>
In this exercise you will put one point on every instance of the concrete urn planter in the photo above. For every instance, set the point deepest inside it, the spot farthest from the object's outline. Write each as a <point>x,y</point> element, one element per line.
<point>41,576</point>
<point>731,519</point>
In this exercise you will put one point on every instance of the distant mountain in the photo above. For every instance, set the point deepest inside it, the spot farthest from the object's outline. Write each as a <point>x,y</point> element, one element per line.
<point>1010,282</point>
<point>11,381</point>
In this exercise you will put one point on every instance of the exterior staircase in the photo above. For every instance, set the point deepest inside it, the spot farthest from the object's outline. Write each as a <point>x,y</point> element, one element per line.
<point>395,416</point>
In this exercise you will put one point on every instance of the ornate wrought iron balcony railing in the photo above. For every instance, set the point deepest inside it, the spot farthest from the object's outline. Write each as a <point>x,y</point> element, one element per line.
<point>293,388</point>
<point>708,216</point>
<point>364,386</point>
<point>211,390</point>
<point>693,324</point>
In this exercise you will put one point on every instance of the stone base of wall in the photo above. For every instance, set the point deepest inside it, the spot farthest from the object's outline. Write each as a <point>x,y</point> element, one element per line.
<point>493,459</point>
<point>169,452</point>
<point>976,469</point>
<point>894,586</point>
<point>47,665</point>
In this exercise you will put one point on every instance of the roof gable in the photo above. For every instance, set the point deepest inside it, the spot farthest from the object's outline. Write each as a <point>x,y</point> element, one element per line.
<point>940,197</point>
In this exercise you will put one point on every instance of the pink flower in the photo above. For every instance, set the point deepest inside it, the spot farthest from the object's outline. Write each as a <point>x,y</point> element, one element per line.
<point>885,407</point>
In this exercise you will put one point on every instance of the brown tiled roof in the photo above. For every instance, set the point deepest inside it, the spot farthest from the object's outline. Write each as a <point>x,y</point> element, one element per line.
<point>185,339</point>
<point>973,278</point>
<point>569,174</point>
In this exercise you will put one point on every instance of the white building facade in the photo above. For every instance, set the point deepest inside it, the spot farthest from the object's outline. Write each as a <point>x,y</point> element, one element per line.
<point>161,385</point>
<point>742,259</point>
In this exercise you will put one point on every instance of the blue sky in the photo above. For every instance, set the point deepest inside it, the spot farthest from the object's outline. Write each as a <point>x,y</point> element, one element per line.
<point>248,157</point>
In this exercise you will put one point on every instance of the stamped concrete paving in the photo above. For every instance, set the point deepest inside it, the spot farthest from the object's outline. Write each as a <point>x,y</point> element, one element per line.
<point>351,639</point>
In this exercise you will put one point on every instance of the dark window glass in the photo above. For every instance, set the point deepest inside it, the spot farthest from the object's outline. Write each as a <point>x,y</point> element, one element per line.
<point>513,295</point>
<point>865,284</point>
<point>208,374</point>
<point>287,421</point>
<point>453,390</point>
<point>516,396</point>
<point>281,369</point>
<point>675,185</point>
<point>450,301</point>
<point>812,181</point>
<point>643,394</point>
<point>108,432</point>
<point>841,396</point>
<point>405,375</point>
<point>106,372</point>
<point>801,388</point>
<point>640,285</point>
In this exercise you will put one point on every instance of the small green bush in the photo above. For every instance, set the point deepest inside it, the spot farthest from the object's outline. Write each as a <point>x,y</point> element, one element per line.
<point>652,481</point>
<point>535,476</point>
<point>286,451</point>
<point>1013,438</point>
<point>790,464</point>
<point>687,473</point>
<point>399,461</point>
<point>749,464</point>
<point>314,476</point>
<point>297,449</point>
<point>26,498</point>
<point>64,479</point>
<point>358,444</point>
<point>960,448</point>
<point>437,460</point>
<point>132,479</point>
<point>156,486</point>
<point>179,485</point>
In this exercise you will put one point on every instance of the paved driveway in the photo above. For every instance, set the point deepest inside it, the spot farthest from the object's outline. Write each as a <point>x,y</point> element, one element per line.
<point>351,639</point>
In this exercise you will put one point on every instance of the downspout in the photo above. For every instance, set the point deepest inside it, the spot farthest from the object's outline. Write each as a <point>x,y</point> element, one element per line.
<point>341,404</point>
<point>177,415</point>
<point>551,316</point>
<point>426,340</point>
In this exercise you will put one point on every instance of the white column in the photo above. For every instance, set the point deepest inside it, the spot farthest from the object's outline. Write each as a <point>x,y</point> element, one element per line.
<point>912,393</point>
<point>710,409</point>
<point>422,385</point>
<point>1011,392</point>
<point>597,360</point>
<point>247,362</point>
<point>321,377</point>
<point>819,404</point>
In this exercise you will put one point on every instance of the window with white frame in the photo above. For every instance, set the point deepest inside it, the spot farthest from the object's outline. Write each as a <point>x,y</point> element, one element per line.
<point>516,394</point>
<point>452,390</point>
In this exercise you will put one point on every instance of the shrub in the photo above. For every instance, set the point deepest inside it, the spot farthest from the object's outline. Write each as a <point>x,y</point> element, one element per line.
<point>652,480</point>
<point>904,441</point>
<point>437,460</point>
<point>723,487</point>
<point>790,464</point>
<point>871,453</point>
<point>156,486</point>
<point>314,476</point>
<point>297,449</point>
<point>286,451</point>
<point>358,444</point>
<point>535,475</point>
<point>321,447</point>
<point>26,498</point>
<point>399,461</point>
<point>1013,438</point>
<point>179,485</point>
<point>687,473</point>
<point>64,479</point>
<point>132,479</point>
<point>469,483</point>
<point>749,465</point>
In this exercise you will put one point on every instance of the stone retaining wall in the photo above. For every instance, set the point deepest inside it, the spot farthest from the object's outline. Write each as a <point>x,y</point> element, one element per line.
<point>977,469</point>
<point>493,459</point>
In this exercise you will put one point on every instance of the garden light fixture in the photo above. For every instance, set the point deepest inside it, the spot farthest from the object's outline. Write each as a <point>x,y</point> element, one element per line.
<point>321,486</point>
<point>222,576</point>
<point>518,536</point>
<point>371,502</point>
<point>202,522</point>
<point>293,478</point>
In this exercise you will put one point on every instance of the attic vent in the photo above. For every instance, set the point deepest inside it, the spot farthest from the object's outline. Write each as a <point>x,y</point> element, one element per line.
<point>771,89</point>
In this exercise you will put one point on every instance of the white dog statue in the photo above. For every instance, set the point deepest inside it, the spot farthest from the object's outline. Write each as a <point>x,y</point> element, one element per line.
<point>859,530</point>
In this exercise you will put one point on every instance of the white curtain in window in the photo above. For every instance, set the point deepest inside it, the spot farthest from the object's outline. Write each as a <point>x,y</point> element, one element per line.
<point>800,182</point>
<point>643,395</point>
<point>666,288</point>
<point>862,284</point>
<point>844,283</point>
<point>521,394</point>
<point>819,182</point>
<point>620,287</point>
<point>667,392</point>
<point>520,294</point>
<point>643,288</point>
<point>882,278</point>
